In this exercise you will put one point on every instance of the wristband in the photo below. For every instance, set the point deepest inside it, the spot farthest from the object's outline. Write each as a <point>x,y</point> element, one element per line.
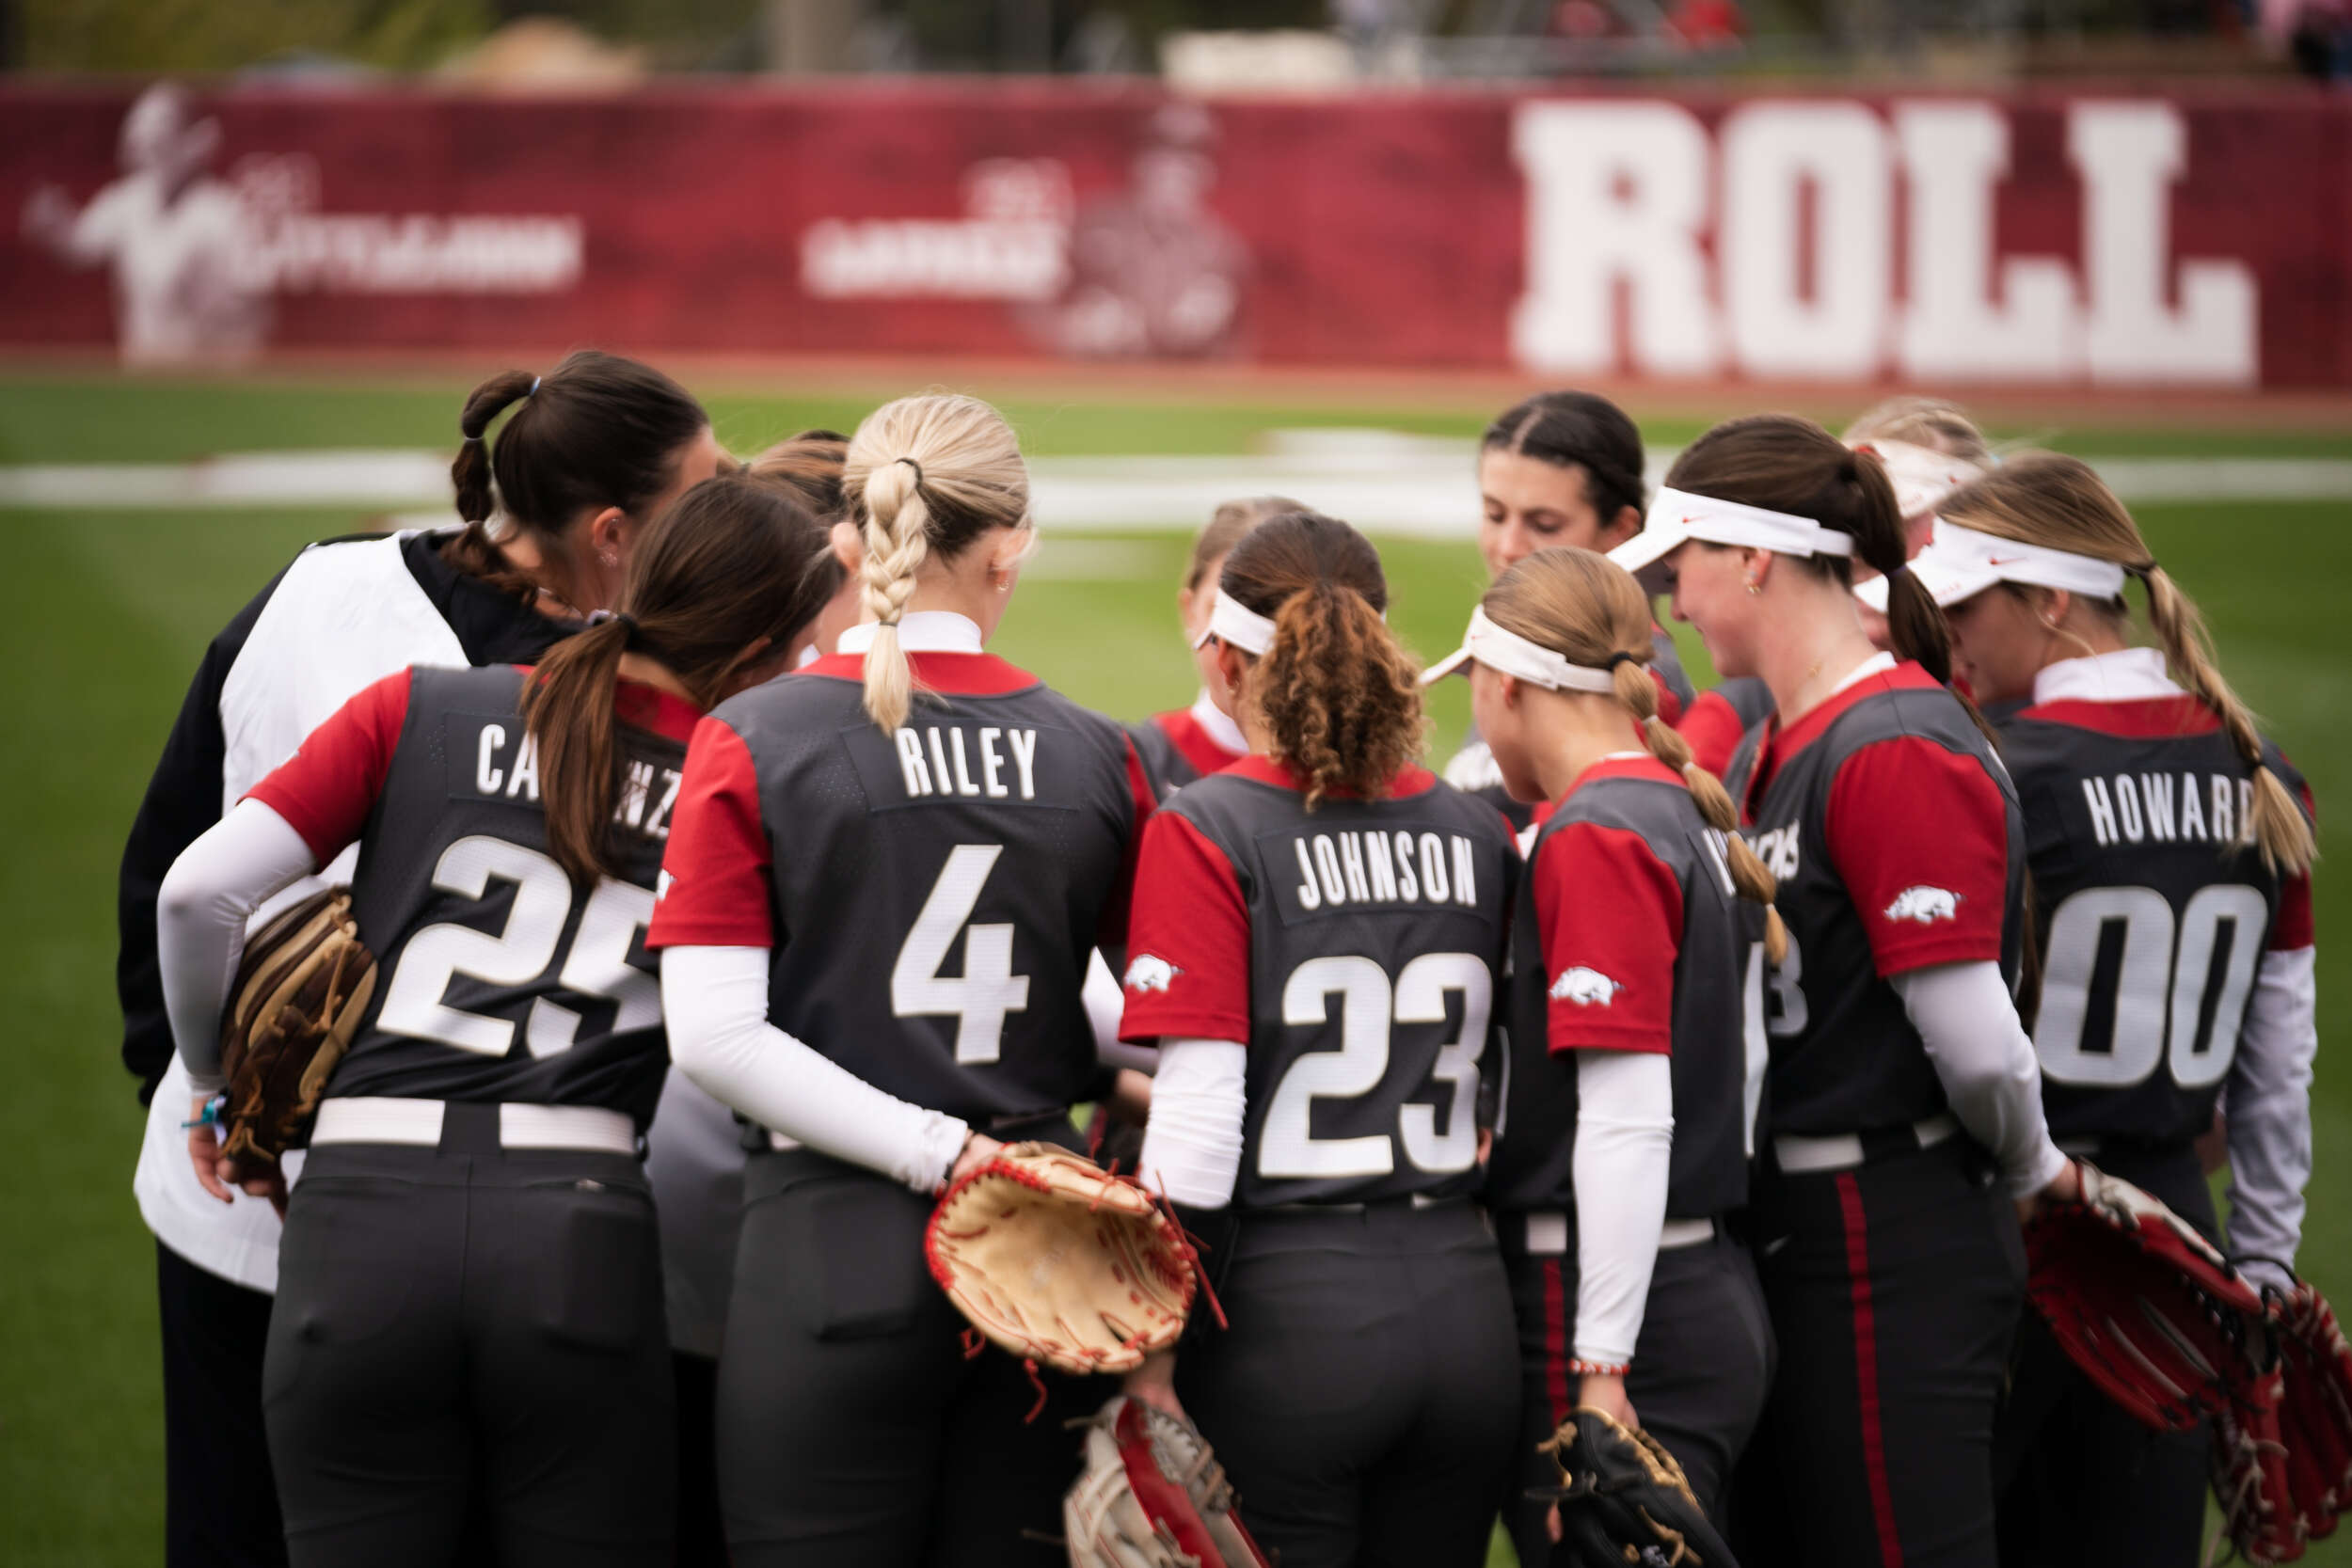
<point>1601,1369</point>
<point>212,1109</point>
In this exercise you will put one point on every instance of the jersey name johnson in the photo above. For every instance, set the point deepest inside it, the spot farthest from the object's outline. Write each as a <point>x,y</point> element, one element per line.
<point>1331,872</point>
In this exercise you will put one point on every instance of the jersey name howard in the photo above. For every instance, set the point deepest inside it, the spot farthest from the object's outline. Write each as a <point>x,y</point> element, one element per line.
<point>2167,808</point>
<point>1353,868</point>
<point>952,759</point>
<point>494,758</point>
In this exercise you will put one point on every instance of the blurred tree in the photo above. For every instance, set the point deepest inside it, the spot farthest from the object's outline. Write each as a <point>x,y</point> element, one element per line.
<point>144,36</point>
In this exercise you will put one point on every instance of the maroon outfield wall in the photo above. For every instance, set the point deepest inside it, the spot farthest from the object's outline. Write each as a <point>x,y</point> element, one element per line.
<point>2108,238</point>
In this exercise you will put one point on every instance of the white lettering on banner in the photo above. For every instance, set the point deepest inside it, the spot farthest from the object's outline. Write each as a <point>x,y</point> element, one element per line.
<point>296,249</point>
<point>1616,196</point>
<point>1617,207</point>
<point>1014,242</point>
<point>1953,157</point>
<point>1837,328</point>
<point>2129,156</point>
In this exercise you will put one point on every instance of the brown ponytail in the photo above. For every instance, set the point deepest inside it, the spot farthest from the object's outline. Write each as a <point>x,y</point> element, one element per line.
<point>2061,502</point>
<point>597,431</point>
<point>1589,609</point>
<point>1339,697</point>
<point>723,580</point>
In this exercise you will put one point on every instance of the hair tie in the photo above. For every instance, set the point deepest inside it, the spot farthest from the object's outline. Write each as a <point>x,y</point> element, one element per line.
<point>535,387</point>
<point>465,440</point>
<point>1892,573</point>
<point>919,484</point>
<point>1614,659</point>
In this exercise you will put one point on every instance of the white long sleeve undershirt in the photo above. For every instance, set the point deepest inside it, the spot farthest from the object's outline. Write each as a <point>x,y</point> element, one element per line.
<point>201,912</point>
<point>2267,1107</point>
<point>714,1001</point>
<point>1968,1021</point>
<point>1192,1145</point>
<point>1624,1127</point>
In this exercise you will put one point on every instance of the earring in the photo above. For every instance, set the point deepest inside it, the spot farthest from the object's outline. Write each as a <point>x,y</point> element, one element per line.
<point>609,559</point>
<point>1755,587</point>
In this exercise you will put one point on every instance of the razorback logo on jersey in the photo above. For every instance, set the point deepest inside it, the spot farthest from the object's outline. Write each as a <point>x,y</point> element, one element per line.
<point>661,885</point>
<point>1584,986</point>
<point>1926,905</point>
<point>1148,973</point>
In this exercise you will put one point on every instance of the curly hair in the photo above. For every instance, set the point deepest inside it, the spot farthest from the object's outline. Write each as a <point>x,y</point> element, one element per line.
<point>1340,698</point>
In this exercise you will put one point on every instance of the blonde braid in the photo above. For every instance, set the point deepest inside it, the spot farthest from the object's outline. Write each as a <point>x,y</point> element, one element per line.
<point>2277,826</point>
<point>897,542</point>
<point>1638,690</point>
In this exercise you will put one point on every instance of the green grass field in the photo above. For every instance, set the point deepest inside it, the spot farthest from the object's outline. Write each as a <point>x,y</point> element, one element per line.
<point>104,613</point>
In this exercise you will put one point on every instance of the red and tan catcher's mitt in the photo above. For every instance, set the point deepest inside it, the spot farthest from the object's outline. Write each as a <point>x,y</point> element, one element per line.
<point>2282,1462</point>
<point>1153,1496</point>
<point>1060,1262</point>
<point>300,989</point>
<point>2148,1308</point>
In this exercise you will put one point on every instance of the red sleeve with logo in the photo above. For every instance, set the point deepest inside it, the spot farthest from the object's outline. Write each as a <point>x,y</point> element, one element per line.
<point>714,871</point>
<point>1112,929</point>
<point>1609,914</point>
<point>326,789</point>
<point>1711,725</point>
<point>1187,941</point>
<point>1919,835</point>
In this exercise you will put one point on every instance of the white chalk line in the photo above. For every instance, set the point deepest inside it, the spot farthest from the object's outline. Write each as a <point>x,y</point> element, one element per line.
<point>1381,481</point>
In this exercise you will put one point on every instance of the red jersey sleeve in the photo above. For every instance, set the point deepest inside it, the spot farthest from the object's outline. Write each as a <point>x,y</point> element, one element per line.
<point>326,789</point>
<point>2293,927</point>
<point>1711,725</point>
<point>1187,941</point>
<point>1609,917</point>
<point>714,872</point>
<point>1111,931</point>
<point>1919,835</point>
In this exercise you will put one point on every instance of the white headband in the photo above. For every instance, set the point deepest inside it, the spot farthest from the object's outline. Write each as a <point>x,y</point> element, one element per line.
<point>1676,516</point>
<point>1237,626</point>
<point>1959,563</point>
<point>1507,653</point>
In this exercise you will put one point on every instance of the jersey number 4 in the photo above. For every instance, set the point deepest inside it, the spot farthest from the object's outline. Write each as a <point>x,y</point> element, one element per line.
<point>988,990</point>
<point>597,965</point>
<point>2164,1002</point>
<point>1287,1147</point>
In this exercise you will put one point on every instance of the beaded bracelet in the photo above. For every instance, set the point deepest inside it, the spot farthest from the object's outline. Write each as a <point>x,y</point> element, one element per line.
<point>1601,1369</point>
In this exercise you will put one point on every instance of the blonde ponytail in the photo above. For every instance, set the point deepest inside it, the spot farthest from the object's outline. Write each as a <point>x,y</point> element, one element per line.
<point>895,544</point>
<point>2277,825</point>
<point>1637,690</point>
<point>2058,501</point>
<point>928,476</point>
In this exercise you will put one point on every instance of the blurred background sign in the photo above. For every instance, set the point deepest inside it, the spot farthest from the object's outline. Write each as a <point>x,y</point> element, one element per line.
<point>1683,191</point>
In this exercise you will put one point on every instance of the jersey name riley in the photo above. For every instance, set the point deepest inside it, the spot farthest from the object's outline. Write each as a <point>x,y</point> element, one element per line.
<point>1376,866</point>
<point>2135,808</point>
<point>992,763</point>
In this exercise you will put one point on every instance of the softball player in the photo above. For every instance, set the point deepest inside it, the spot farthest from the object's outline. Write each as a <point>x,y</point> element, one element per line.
<point>695,1156</point>
<point>1189,743</point>
<point>1558,468</point>
<point>591,451</point>
<point>1317,944</point>
<point>1904,1112</point>
<point>1929,448</point>
<point>879,909</point>
<point>471,1305</point>
<point>1637,1032</point>
<point>2171,879</point>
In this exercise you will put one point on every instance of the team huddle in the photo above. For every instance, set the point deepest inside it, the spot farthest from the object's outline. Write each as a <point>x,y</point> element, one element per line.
<point>1677,1068</point>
